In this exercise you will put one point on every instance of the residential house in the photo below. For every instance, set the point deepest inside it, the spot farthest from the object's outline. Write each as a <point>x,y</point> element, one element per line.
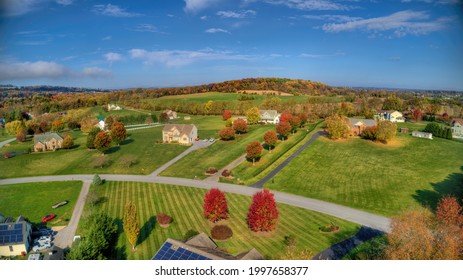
<point>390,115</point>
<point>2,122</point>
<point>47,142</point>
<point>181,133</point>
<point>269,116</point>
<point>114,107</point>
<point>15,237</point>
<point>101,123</point>
<point>199,247</point>
<point>457,128</point>
<point>171,114</point>
<point>359,125</point>
<point>422,134</point>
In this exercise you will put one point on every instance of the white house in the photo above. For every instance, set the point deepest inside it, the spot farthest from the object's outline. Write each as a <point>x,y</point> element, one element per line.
<point>269,116</point>
<point>390,115</point>
<point>181,133</point>
<point>101,123</point>
<point>457,128</point>
<point>114,107</point>
<point>421,134</point>
<point>15,237</point>
<point>171,114</point>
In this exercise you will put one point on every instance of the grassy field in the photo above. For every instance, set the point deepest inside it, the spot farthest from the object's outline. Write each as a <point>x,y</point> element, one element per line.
<point>34,201</point>
<point>218,155</point>
<point>208,126</point>
<point>141,145</point>
<point>374,177</point>
<point>249,174</point>
<point>185,206</point>
<point>97,110</point>
<point>5,136</point>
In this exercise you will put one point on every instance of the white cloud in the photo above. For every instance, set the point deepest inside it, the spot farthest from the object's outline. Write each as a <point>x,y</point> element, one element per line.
<point>216,30</point>
<point>95,72</point>
<point>194,6</point>
<point>64,2</point>
<point>316,5</point>
<point>203,17</point>
<point>332,18</point>
<point>400,23</point>
<point>146,28</point>
<point>176,58</point>
<point>112,11</point>
<point>106,38</point>
<point>308,55</point>
<point>113,57</point>
<point>442,2</point>
<point>238,14</point>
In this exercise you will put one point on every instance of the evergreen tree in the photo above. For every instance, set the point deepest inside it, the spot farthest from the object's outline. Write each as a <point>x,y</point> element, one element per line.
<point>130,224</point>
<point>97,180</point>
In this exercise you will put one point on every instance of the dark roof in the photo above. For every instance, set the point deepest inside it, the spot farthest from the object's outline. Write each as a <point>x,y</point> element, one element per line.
<point>14,233</point>
<point>182,128</point>
<point>45,137</point>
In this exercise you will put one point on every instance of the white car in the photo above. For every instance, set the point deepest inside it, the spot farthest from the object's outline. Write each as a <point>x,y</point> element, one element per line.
<point>41,246</point>
<point>44,239</point>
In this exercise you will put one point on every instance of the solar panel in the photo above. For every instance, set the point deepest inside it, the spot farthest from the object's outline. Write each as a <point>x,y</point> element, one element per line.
<point>18,226</point>
<point>169,252</point>
<point>3,227</point>
<point>19,238</point>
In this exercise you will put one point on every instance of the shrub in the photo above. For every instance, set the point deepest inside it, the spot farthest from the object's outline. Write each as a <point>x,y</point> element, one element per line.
<point>163,219</point>
<point>8,155</point>
<point>211,170</point>
<point>221,232</point>
<point>369,133</point>
<point>21,136</point>
<point>226,173</point>
<point>290,240</point>
<point>189,234</point>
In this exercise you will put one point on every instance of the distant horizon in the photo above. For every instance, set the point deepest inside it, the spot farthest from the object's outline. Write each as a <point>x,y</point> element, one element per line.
<point>406,44</point>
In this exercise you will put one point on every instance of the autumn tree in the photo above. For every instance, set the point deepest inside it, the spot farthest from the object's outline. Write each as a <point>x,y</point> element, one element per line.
<point>100,161</point>
<point>253,151</point>
<point>68,142</point>
<point>21,136</point>
<point>240,126</point>
<point>102,141</point>
<point>91,137</point>
<point>303,119</point>
<point>227,134</point>
<point>449,211</point>
<point>270,138</point>
<point>385,131</point>
<point>109,121</point>
<point>14,127</point>
<point>337,127</point>
<point>57,125</point>
<point>285,117</point>
<point>417,114</point>
<point>263,212</point>
<point>227,114</point>
<point>393,103</point>
<point>87,124</point>
<point>295,123</point>
<point>253,115</point>
<point>130,224</point>
<point>118,132</point>
<point>73,125</point>
<point>128,160</point>
<point>283,128</point>
<point>215,206</point>
<point>163,118</point>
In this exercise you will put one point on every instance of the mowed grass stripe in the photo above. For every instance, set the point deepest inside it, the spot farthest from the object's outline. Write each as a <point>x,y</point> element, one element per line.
<point>185,206</point>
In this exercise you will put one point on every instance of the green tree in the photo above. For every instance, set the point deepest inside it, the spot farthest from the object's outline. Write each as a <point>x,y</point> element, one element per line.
<point>393,103</point>
<point>130,224</point>
<point>97,180</point>
<point>253,115</point>
<point>91,137</point>
<point>337,127</point>
<point>102,141</point>
<point>385,131</point>
<point>118,132</point>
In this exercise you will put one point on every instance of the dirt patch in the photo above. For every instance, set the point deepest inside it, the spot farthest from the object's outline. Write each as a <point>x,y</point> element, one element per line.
<point>394,143</point>
<point>266,92</point>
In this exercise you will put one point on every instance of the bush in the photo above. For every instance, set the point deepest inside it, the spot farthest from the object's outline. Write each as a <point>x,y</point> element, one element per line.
<point>221,232</point>
<point>290,240</point>
<point>189,234</point>
<point>211,170</point>
<point>97,180</point>
<point>226,173</point>
<point>163,219</point>
<point>7,155</point>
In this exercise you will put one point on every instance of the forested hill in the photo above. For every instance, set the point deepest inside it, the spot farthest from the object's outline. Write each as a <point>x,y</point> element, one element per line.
<point>297,87</point>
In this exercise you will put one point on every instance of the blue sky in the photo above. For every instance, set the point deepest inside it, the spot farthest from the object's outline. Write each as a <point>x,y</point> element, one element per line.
<point>122,44</point>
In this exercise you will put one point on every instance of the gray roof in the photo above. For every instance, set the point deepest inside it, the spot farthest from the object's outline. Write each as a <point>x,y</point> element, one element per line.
<point>272,113</point>
<point>367,122</point>
<point>45,137</point>
<point>182,128</point>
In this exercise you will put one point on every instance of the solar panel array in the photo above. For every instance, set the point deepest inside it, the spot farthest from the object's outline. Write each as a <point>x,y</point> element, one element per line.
<point>11,234</point>
<point>169,252</point>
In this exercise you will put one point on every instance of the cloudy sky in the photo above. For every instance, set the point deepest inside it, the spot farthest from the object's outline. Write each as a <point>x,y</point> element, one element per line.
<point>121,44</point>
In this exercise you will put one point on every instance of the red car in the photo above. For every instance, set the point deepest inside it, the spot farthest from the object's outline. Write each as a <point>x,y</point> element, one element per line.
<point>48,217</point>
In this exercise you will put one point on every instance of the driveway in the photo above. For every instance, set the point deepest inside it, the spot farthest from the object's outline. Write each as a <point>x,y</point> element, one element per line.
<point>3,143</point>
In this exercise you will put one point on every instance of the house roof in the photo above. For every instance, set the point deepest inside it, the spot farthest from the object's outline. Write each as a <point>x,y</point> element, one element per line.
<point>366,122</point>
<point>45,137</point>
<point>271,113</point>
<point>460,121</point>
<point>13,232</point>
<point>182,128</point>
<point>386,111</point>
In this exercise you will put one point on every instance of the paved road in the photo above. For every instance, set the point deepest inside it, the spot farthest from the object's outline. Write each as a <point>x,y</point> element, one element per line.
<point>260,184</point>
<point>6,142</point>
<point>236,162</point>
<point>65,236</point>
<point>363,218</point>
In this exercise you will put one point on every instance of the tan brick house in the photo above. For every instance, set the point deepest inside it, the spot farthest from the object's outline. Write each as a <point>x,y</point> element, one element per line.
<point>47,142</point>
<point>181,133</point>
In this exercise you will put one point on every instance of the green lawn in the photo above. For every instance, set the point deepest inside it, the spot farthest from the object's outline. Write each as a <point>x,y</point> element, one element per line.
<point>373,177</point>
<point>249,174</point>
<point>141,145</point>
<point>4,135</point>
<point>34,201</point>
<point>208,126</point>
<point>218,155</point>
<point>184,204</point>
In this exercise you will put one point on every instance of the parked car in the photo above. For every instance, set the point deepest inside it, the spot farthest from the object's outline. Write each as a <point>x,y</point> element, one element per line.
<point>41,246</point>
<point>211,140</point>
<point>57,205</point>
<point>48,217</point>
<point>43,239</point>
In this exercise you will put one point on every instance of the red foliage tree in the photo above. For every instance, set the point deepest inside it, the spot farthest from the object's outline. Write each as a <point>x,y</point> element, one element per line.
<point>283,128</point>
<point>240,126</point>
<point>417,114</point>
<point>270,138</point>
<point>285,116</point>
<point>102,141</point>
<point>295,122</point>
<point>215,206</point>
<point>118,132</point>
<point>227,133</point>
<point>226,115</point>
<point>253,151</point>
<point>303,119</point>
<point>21,136</point>
<point>449,211</point>
<point>263,213</point>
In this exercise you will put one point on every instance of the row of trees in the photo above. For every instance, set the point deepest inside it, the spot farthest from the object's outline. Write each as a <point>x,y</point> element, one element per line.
<point>101,140</point>
<point>439,131</point>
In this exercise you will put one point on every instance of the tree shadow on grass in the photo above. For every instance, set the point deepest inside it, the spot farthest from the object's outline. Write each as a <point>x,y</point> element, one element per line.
<point>112,150</point>
<point>146,229</point>
<point>452,185</point>
<point>119,253</point>
<point>127,141</point>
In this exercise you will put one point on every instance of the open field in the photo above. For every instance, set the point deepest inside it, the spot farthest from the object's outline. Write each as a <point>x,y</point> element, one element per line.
<point>208,126</point>
<point>34,201</point>
<point>5,136</point>
<point>141,145</point>
<point>374,177</point>
<point>185,206</point>
<point>218,155</point>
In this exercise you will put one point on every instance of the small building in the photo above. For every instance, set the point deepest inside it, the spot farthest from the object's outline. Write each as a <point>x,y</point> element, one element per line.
<point>422,134</point>
<point>359,125</point>
<point>2,122</point>
<point>114,107</point>
<point>187,118</point>
<point>390,115</point>
<point>199,247</point>
<point>404,130</point>
<point>49,141</point>
<point>457,128</point>
<point>181,133</point>
<point>15,237</point>
<point>171,114</point>
<point>269,116</point>
<point>101,123</point>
